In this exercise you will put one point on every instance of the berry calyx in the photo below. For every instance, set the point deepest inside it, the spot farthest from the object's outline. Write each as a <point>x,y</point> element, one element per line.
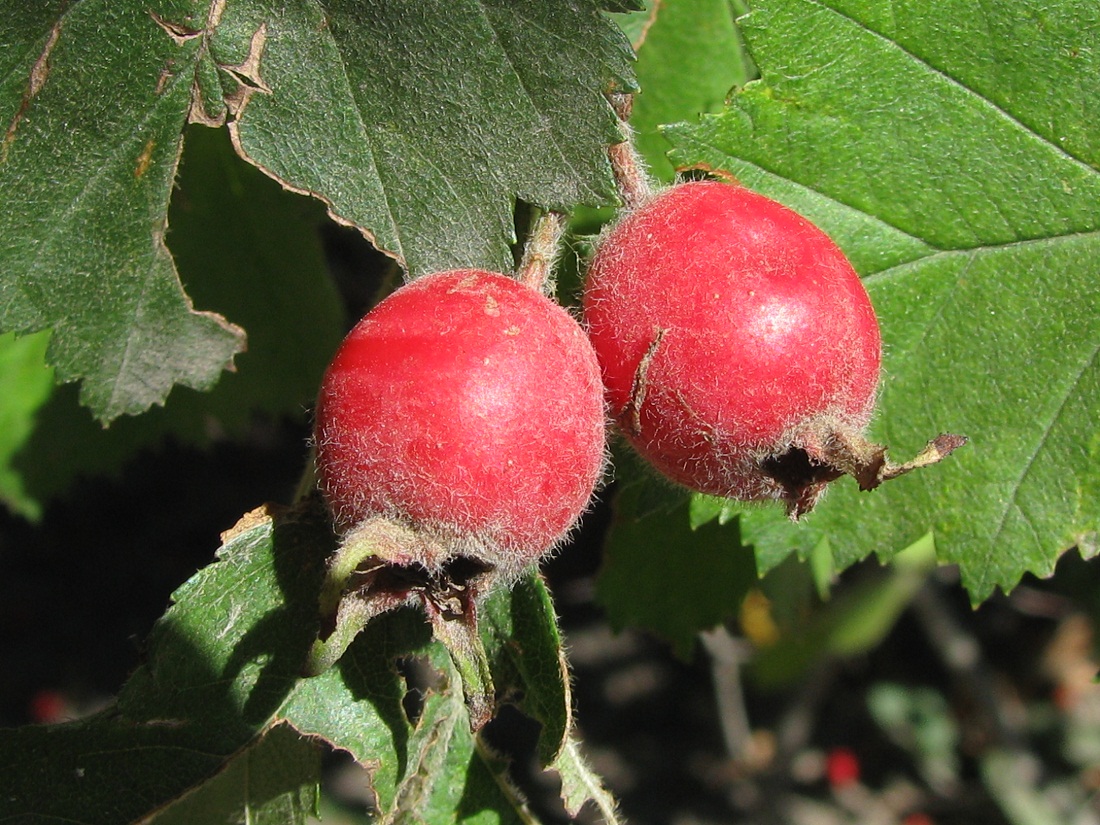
<point>739,348</point>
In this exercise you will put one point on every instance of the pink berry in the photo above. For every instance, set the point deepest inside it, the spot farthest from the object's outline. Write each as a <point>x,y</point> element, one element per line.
<point>467,407</point>
<point>736,343</point>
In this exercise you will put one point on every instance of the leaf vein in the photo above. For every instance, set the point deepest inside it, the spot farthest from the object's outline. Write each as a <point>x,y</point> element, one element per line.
<point>1001,112</point>
<point>558,150</point>
<point>1056,414</point>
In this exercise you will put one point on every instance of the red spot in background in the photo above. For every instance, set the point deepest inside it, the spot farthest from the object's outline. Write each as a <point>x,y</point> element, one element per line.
<point>841,767</point>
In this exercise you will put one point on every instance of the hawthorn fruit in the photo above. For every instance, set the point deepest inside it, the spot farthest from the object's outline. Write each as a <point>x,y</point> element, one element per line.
<point>469,407</point>
<point>459,435</point>
<point>738,346</point>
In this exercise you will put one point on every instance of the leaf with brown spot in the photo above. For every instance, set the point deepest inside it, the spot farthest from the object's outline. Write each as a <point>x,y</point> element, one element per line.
<point>85,182</point>
<point>423,149</point>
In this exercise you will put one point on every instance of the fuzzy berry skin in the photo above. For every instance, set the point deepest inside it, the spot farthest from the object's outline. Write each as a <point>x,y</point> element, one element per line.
<point>731,331</point>
<point>468,407</point>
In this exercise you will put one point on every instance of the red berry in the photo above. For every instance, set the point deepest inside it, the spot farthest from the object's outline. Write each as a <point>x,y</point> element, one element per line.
<point>736,342</point>
<point>841,767</point>
<point>468,407</point>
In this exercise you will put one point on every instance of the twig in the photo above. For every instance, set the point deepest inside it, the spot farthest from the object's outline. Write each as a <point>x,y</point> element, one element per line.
<point>962,656</point>
<point>540,252</point>
<point>626,165</point>
<point>727,656</point>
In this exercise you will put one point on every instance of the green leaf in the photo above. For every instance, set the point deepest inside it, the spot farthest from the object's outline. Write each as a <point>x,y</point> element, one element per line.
<point>219,664</point>
<point>195,723</point>
<point>581,785</point>
<point>661,574</point>
<point>426,147</point>
<point>524,641</point>
<point>978,237</point>
<point>450,777</point>
<point>357,705</point>
<point>93,103</point>
<point>430,768</point>
<point>27,383</point>
<point>689,59</point>
<point>272,782</point>
<point>249,250</point>
<point>521,634</point>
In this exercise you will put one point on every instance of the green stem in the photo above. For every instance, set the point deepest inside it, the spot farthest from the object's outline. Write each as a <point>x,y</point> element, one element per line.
<point>351,617</point>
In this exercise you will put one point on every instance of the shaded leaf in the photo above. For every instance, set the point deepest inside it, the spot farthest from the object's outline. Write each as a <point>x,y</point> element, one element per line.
<point>223,673</point>
<point>223,670</point>
<point>272,782</point>
<point>219,663</point>
<point>101,771</point>
<point>426,147</point>
<point>978,240</point>
<point>229,651</point>
<point>249,250</point>
<point>522,637</point>
<point>93,135</point>
<point>529,666</point>
<point>450,777</point>
<point>661,574</point>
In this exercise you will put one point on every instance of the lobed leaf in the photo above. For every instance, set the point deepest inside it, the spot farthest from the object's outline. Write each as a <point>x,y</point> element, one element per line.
<point>93,101</point>
<point>423,148</point>
<point>250,250</point>
<point>978,238</point>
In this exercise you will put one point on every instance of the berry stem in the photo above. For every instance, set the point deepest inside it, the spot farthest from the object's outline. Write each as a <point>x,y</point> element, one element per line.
<point>626,164</point>
<point>540,252</point>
